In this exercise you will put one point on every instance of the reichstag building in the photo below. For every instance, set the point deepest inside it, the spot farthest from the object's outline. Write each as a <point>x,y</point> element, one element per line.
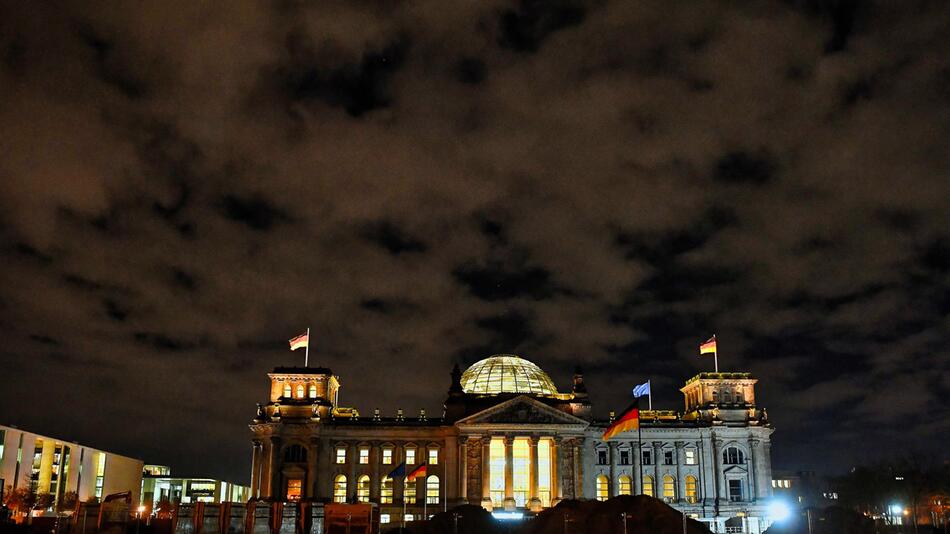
<point>509,441</point>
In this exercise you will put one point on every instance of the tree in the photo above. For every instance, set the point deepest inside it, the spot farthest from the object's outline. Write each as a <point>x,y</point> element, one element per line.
<point>20,500</point>
<point>43,500</point>
<point>68,502</point>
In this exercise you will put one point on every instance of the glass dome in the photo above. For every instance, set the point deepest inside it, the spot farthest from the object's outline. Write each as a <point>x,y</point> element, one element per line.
<point>506,373</point>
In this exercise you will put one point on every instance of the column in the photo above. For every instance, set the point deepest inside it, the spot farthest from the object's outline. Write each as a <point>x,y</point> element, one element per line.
<point>352,458</point>
<point>486,472</point>
<point>310,490</point>
<point>720,488</point>
<point>555,470</point>
<point>255,467</point>
<point>463,470</point>
<point>398,484</point>
<point>680,483</point>
<point>637,467</point>
<point>509,473</point>
<point>375,457</point>
<point>275,488</point>
<point>753,444</point>
<point>577,445</point>
<point>324,452</point>
<point>611,474</point>
<point>657,483</point>
<point>534,503</point>
<point>450,463</point>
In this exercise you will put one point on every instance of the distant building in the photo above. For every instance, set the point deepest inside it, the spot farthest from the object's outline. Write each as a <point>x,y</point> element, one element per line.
<point>56,466</point>
<point>804,489</point>
<point>158,485</point>
<point>509,440</point>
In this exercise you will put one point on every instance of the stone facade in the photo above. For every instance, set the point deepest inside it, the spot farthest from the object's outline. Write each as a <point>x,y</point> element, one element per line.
<point>512,450</point>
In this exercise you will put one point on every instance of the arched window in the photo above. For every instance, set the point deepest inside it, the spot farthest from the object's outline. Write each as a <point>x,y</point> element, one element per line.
<point>409,491</point>
<point>339,489</point>
<point>287,392</point>
<point>691,496</point>
<point>726,396</point>
<point>313,391</point>
<point>299,391</point>
<point>362,489</point>
<point>295,454</point>
<point>432,490</point>
<point>625,485</point>
<point>603,492</point>
<point>648,486</point>
<point>669,488</point>
<point>733,456</point>
<point>386,491</point>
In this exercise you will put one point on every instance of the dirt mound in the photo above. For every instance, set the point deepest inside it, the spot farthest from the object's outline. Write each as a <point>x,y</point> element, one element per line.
<point>644,515</point>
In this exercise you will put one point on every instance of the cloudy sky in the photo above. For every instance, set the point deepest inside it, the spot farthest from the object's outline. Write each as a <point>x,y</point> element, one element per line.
<point>186,185</point>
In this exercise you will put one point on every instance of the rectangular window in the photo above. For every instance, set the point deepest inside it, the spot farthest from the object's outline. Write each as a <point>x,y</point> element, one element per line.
<point>624,457</point>
<point>407,518</point>
<point>496,471</point>
<point>294,489</point>
<point>690,456</point>
<point>387,456</point>
<point>341,455</point>
<point>100,473</point>
<point>667,457</point>
<point>383,518</point>
<point>410,456</point>
<point>433,456</point>
<point>602,457</point>
<point>735,490</point>
<point>3,436</point>
<point>647,457</point>
<point>364,455</point>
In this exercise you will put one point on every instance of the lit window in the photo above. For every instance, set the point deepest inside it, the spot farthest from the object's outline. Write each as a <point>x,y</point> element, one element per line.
<point>383,518</point>
<point>625,485</point>
<point>100,473</point>
<point>691,489</point>
<point>341,455</point>
<point>775,483</point>
<point>407,518</point>
<point>647,457</point>
<point>667,457</point>
<point>294,489</point>
<point>339,489</point>
<point>410,455</point>
<point>387,456</point>
<point>433,456</point>
<point>735,490</point>
<point>300,391</point>
<point>521,471</point>
<point>364,455</point>
<point>544,472</point>
<point>432,490</point>
<point>648,486</point>
<point>362,489</point>
<point>313,391</point>
<point>3,435</point>
<point>286,391</point>
<point>496,471</point>
<point>690,456</point>
<point>603,492</point>
<point>669,488</point>
<point>733,456</point>
<point>386,491</point>
<point>624,457</point>
<point>409,491</point>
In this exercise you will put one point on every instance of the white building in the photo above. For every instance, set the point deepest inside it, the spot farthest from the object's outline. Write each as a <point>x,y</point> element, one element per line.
<point>55,466</point>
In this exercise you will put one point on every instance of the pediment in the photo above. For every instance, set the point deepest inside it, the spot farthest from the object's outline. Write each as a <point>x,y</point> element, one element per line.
<point>735,469</point>
<point>522,410</point>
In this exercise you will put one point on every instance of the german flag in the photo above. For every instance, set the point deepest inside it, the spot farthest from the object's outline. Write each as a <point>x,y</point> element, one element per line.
<point>709,347</point>
<point>417,472</point>
<point>628,420</point>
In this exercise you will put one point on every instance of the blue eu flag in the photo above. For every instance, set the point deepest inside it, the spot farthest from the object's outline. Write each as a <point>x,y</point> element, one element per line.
<point>399,471</point>
<point>642,389</point>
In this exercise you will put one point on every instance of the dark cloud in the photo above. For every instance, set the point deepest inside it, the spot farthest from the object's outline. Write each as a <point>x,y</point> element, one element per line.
<point>184,188</point>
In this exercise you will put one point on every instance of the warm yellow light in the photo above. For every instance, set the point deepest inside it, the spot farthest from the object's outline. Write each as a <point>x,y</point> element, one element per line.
<point>506,373</point>
<point>141,509</point>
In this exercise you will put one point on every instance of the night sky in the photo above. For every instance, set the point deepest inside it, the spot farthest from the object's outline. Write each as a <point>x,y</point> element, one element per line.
<point>185,187</point>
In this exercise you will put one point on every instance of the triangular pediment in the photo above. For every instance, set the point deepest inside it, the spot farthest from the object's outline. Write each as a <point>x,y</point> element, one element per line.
<point>522,410</point>
<point>735,469</point>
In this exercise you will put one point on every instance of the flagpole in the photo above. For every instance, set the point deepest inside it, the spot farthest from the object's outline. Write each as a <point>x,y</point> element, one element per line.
<point>716,358</point>
<point>650,393</point>
<point>640,451</point>
<point>306,354</point>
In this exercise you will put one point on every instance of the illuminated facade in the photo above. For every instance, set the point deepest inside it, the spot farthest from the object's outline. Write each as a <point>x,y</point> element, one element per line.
<point>58,467</point>
<point>159,485</point>
<point>508,440</point>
